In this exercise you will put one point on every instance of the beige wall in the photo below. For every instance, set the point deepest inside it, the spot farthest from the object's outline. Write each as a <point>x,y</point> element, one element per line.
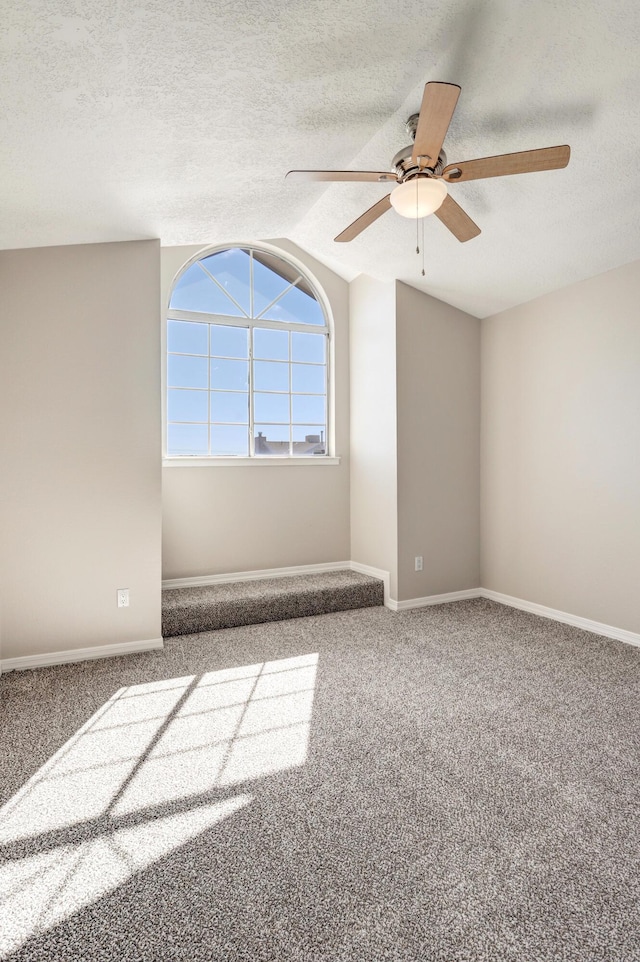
<point>374,489</point>
<point>80,436</point>
<point>224,519</point>
<point>561,450</point>
<point>438,378</point>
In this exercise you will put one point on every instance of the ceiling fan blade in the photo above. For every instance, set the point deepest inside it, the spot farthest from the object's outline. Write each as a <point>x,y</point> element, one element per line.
<point>438,103</point>
<point>364,220</point>
<point>523,162</point>
<point>459,223</point>
<point>334,175</point>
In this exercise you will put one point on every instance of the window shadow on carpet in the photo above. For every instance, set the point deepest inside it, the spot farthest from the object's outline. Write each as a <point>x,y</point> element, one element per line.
<point>159,764</point>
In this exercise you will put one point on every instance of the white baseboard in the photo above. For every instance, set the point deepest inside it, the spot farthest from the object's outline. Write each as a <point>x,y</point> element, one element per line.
<point>79,654</point>
<point>384,576</point>
<point>222,579</point>
<point>131,647</point>
<point>436,599</point>
<point>597,627</point>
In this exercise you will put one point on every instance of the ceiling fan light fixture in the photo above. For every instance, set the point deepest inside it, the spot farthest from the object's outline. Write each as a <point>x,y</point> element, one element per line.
<point>418,197</point>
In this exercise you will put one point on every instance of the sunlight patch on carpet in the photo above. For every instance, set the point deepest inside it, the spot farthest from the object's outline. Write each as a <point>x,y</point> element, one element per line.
<point>131,785</point>
<point>37,893</point>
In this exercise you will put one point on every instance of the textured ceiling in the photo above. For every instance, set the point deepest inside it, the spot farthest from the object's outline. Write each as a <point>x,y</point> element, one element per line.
<point>179,120</point>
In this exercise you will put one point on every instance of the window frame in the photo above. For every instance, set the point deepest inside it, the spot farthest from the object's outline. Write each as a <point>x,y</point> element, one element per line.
<point>249,324</point>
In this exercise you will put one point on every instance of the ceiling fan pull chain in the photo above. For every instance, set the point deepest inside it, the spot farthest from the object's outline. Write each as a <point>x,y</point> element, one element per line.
<point>417,236</point>
<point>423,246</point>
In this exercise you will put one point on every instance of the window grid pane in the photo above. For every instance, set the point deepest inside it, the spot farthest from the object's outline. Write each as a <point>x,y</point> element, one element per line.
<point>257,374</point>
<point>272,376</point>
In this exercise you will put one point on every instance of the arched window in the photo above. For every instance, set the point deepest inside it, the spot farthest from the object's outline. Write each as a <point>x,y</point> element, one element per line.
<point>247,359</point>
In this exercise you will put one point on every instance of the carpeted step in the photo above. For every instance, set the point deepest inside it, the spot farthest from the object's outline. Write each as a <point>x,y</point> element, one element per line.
<point>186,611</point>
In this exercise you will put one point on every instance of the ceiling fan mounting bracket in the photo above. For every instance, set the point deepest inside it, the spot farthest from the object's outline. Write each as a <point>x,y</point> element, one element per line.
<point>412,125</point>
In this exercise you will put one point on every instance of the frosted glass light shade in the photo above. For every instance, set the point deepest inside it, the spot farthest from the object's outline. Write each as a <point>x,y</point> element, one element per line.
<point>418,197</point>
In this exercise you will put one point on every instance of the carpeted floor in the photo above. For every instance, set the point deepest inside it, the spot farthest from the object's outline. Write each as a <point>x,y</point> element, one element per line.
<point>231,604</point>
<point>454,783</point>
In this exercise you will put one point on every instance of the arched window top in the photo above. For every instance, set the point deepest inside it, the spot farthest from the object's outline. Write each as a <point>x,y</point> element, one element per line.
<point>247,283</point>
<point>248,359</point>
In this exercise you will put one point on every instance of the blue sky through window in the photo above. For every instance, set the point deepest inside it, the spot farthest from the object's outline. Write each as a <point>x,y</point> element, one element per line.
<point>229,440</point>
<point>186,338</point>
<point>229,407</point>
<point>228,375</point>
<point>308,378</point>
<point>195,291</point>
<point>188,405</point>
<point>267,285</point>
<point>232,270</point>
<point>296,307</point>
<point>308,347</point>
<point>229,341</point>
<point>308,409</point>
<point>271,407</point>
<point>271,345</point>
<point>188,439</point>
<point>231,382</point>
<point>274,432</point>
<point>185,371</point>
<point>271,375</point>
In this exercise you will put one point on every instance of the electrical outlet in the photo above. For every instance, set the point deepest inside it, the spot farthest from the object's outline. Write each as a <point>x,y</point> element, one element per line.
<point>419,562</point>
<point>123,597</point>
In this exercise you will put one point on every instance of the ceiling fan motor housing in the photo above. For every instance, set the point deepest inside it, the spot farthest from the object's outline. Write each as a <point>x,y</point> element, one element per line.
<point>405,167</point>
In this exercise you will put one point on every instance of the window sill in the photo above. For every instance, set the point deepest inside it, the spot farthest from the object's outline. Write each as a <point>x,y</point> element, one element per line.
<point>246,462</point>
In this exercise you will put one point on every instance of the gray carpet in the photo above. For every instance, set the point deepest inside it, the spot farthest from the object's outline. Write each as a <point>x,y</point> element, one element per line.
<point>190,610</point>
<point>466,790</point>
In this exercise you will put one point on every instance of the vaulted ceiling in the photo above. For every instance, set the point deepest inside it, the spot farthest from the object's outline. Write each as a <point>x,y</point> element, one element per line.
<point>179,120</point>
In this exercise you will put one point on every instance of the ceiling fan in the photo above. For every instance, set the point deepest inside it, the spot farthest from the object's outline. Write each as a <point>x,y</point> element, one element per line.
<point>422,174</point>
